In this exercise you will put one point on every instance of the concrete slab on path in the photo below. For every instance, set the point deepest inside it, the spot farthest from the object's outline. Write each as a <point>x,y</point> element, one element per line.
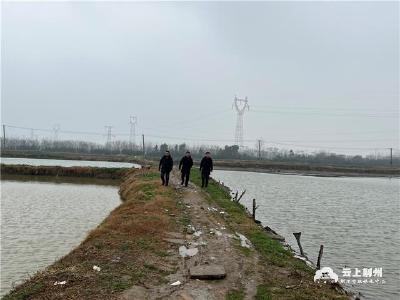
<point>207,272</point>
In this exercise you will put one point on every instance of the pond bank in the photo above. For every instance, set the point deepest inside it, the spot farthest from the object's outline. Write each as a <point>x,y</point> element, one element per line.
<point>69,156</point>
<point>308,169</point>
<point>137,251</point>
<point>88,172</point>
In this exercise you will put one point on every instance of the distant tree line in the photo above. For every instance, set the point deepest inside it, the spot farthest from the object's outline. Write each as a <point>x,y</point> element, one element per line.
<point>154,151</point>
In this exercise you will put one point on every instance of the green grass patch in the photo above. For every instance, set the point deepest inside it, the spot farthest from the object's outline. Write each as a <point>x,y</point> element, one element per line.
<point>185,220</point>
<point>235,295</point>
<point>269,248</point>
<point>120,284</point>
<point>117,282</point>
<point>246,251</point>
<point>150,176</point>
<point>263,293</point>
<point>144,244</point>
<point>148,190</point>
<point>125,246</point>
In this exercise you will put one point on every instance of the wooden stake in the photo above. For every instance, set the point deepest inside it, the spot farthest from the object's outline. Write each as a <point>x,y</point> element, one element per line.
<point>297,235</point>
<point>254,209</point>
<point>321,250</point>
<point>240,197</point>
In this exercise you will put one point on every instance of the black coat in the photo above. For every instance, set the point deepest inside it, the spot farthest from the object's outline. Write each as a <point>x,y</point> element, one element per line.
<point>166,163</point>
<point>186,164</point>
<point>206,165</point>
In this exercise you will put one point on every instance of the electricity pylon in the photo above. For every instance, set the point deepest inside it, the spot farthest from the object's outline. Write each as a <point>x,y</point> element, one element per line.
<point>132,133</point>
<point>56,129</point>
<point>240,105</point>
<point>108,143</point>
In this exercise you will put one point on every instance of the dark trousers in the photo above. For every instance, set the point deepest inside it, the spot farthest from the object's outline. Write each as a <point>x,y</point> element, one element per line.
<point>185,177</point>
<point>164,177</point>
<point>204,179</point>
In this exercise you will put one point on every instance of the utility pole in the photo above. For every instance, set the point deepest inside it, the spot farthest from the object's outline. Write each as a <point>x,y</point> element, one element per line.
<point>144,149</point>
<point>240,105</point>
<point>132,133</point>
<point>391,156</point>
<point>4,136</point>
<point>108,143</point>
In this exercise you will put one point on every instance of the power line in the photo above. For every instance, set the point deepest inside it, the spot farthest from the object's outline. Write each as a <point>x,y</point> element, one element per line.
<point>52,130</point>
<point>326,147</point>
<point>292,143</point>
<point>195,117</point>
<point>329,109</point>
<point>324,113</point>
<point>201,138</point>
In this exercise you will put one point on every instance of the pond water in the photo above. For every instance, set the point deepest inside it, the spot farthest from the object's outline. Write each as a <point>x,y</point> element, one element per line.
<point>43,221</point>
<point>66,163</point>
<point>356,219</point>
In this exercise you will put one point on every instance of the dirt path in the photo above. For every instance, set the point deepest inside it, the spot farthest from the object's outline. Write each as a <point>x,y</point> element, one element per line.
<point>206,231</point>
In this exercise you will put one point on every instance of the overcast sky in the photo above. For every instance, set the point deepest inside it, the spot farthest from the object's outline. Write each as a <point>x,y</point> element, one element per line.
<point>316,74</point>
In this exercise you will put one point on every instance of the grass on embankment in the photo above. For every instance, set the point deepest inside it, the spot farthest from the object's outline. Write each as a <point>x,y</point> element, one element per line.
<point>281,268</point>
<point>127,246</point>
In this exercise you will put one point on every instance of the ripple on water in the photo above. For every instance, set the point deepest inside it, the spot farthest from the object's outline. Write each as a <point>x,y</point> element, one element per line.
<point>356,219</point>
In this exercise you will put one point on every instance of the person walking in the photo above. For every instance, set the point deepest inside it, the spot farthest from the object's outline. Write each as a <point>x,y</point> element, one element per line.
<point>206,167</point>
<point>165,166</point>
<point>185,165</point>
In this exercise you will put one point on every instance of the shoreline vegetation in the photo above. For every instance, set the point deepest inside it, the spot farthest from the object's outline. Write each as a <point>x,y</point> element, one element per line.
<point>263,166</point>
<point>134,259</point>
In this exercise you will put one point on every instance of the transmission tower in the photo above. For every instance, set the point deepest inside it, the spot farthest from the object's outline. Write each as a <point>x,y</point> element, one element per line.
<point>56,129</point>
<point>132,133</point>
<point>108,143</point>
<point>240,105</point>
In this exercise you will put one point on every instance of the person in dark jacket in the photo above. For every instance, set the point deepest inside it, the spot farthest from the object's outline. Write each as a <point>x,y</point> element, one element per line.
<point>206,167</point>
<point>185,165</point>
<point>165,166</point>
